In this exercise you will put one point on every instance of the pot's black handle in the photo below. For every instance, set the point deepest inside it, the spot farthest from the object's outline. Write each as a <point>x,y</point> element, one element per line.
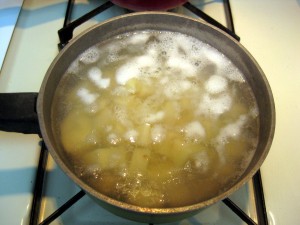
<point>18,113</point>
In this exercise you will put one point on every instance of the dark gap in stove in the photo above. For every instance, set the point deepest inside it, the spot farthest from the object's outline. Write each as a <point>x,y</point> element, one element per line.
<point>66,34</point>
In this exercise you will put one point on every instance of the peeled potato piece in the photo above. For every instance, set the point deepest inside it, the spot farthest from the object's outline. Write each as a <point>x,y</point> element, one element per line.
<point>139,161</point>
<point>139,87</point>
<point>103,119</point>
<point>76,128</point>
<point>177,151</point>
<point>172,112</point>
<point>144,132</point>
<point>107,158</point>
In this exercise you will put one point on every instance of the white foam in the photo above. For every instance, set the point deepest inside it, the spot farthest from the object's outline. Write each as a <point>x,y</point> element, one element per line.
<point>194,130</point>
<point>216,57</point>
<point>164,80</point>
<point>254,112</point>
<point>113,52</point>
<point>145,61</point>
<point>176,87</point>
<point>74,68</point>
<point>126,72</point>
<point>95,75</point>
<point>104,83</point>
<point>112,57</point>
<point>121,115</point>
<point>232,130</point>
<point>186,67</point>
<point>152,50</point>
<point>190,45</point>
<point>86,96</point>
<point>216,84</point>
<point>138,38</point>
<point>214,106</point>
<point>90,55</point>
<point>158,133</point>
<point>131,136</point>
<point>232,73</point>
<point>112,138</point>
<point>134,68</point>
<point>154,117</point>
<point>201,161</point>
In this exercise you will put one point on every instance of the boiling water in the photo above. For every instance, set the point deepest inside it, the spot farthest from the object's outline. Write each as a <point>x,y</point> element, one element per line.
<point>156,119</point>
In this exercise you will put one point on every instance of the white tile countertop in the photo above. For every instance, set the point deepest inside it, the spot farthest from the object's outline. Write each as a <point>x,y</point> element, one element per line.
<point>9,12</point>
<point>270,30</point>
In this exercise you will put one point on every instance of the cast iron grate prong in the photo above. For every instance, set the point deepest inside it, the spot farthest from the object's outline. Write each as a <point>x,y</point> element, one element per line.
<point>38,187</point>
<point>228,15</point>
<point>239,212</point>
<point>63,208</point>
<point>262,216</point>
<point>66,33</point>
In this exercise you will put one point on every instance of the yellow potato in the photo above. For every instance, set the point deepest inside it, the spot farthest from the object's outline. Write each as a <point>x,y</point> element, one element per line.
<point>132,85</point>
<point>76,129</point>
<point>73,97</point>
<point>103,119</point>
<point>172,112</point>
<point>144,137</point>
<point>102,102</point>
<point>139,88</point>
<point>139,161</point>
<point>145,90</point>
<point>182,152</point>
<point>211,127</point>
<point>177,151</point>
<point>107,158</point>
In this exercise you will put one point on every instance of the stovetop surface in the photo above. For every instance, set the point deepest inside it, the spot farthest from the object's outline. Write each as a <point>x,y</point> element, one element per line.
<point>268,29</point>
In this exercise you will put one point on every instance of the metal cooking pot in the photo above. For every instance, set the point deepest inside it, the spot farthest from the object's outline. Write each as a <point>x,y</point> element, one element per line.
<point>169,22</point>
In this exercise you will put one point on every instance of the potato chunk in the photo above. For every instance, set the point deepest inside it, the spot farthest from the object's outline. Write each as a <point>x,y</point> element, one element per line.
<point>139,161</point>
<point>144,132</point>
<point>139,87</point>
<point>107,158</point>
<point>178,151</point>
<point>76,128</point>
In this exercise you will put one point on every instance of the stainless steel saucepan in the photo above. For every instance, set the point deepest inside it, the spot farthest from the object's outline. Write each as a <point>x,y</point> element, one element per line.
<point>165,22</point>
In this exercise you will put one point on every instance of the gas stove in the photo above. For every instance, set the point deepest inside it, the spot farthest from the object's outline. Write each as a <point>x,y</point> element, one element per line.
<point>33,46</point>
